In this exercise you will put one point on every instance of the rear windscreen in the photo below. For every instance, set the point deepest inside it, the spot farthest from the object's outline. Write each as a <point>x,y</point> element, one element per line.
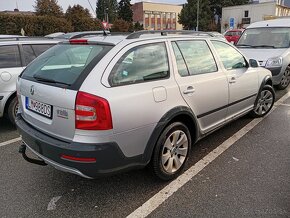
<point>65,63</point>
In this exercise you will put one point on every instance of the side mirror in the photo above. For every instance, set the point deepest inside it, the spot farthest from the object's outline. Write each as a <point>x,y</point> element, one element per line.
<point>253,63</point>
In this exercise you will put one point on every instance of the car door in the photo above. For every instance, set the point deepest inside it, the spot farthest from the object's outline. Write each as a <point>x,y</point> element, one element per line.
<point>10,67</point>
<point>242,79</point>
<point>202,84</point>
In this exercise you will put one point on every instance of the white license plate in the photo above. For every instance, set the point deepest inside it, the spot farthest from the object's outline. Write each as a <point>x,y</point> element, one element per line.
<point>38,107</point>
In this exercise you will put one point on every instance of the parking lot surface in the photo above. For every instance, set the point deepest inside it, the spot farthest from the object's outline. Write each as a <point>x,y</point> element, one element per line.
<point>249,179</point>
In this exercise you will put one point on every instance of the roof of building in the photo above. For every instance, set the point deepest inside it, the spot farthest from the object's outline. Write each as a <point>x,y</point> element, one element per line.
<point>15,12</point>
<point>282,22</point>
<point>159,3</point>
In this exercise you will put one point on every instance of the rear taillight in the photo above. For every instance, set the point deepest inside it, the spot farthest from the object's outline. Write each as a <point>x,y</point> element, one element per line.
<point>92,112</point>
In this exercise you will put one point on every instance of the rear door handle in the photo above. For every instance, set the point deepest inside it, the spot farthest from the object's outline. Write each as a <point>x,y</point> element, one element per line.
<point>189,90</point>
<point>232,80</point>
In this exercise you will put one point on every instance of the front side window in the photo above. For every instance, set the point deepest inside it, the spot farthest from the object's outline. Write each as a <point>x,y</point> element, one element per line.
<point>230,57</point>
<point>198,57</point>
<point>9,56</point>
<point>141,64</point>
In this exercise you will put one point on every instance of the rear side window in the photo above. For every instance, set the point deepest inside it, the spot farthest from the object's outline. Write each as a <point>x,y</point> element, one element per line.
<point>230,57</point>
<point>65,63</point>
<point>28,54</point>
<point>141,64</point>
<point>197,56</point>
<point>39,49</point>
<point>9,56</point>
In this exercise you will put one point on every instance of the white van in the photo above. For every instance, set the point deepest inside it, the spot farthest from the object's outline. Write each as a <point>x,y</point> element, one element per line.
<point>269,43</point>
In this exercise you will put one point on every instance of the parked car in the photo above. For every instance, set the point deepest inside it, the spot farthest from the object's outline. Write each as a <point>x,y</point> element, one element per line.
<point>102,105</point>
<point>269,43</point>
<point>10,36</point>
<point>218,35</point>
<point>54,35</point>
<point>233,35</point>
<point>75,35</point>
<point>15,54</point>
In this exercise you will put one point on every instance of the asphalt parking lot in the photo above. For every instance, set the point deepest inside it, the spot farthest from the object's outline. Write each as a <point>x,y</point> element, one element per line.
<point>250,178</point>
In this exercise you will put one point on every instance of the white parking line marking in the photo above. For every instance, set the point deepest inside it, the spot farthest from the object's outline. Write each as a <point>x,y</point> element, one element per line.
<point>10,141</point>
<point>52,204</point>
<point>288,105</point>
<point>155,201</point>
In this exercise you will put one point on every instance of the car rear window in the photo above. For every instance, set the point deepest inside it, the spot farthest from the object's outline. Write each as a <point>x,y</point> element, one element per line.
<point>64,64</point>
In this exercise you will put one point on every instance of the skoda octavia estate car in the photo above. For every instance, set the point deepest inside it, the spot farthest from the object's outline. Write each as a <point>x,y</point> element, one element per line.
<point>102,105</point>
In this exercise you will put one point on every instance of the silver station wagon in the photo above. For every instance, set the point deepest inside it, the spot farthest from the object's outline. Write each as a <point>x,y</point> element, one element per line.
<point>102,105</point>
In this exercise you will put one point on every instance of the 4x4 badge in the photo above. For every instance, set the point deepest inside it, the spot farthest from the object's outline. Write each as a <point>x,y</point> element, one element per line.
<point>32,90</point>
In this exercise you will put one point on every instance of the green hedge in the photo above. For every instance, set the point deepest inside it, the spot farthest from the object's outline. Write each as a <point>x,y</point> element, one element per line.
<point>33,25</point>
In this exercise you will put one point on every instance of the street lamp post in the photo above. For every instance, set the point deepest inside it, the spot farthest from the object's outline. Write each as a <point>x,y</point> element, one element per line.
<point>197,15</point>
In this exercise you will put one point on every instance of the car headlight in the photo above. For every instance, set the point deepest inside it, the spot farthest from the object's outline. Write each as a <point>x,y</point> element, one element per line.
<point>274,62</point>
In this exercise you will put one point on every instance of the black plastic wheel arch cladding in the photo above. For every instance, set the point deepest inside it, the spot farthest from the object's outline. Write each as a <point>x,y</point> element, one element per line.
<point>166,119</point>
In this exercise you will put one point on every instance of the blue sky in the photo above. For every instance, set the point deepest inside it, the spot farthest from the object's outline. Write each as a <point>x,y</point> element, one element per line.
<point>27,5</point>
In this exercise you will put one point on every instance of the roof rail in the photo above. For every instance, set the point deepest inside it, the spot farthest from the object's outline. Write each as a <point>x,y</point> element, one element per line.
<point>137,34</point>
<point>22,38</point>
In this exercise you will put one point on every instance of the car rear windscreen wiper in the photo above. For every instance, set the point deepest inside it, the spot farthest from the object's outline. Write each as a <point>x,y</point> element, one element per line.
<point>42,79</point>
<point>263,46</point>
<point>244,45</point>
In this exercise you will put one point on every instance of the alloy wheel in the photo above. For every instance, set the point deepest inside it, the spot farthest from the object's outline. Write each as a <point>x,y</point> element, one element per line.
<point>264,103</point>
<point>16,109</point>
<point>285,78</point>
<point>174,151</point>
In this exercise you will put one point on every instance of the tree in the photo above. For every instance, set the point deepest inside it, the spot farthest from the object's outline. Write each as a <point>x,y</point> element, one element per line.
<point>107,9</point>
<point>120,25</point>
<point>48,8</point>
<point>81,18</point>
<point>125,11</point>
<point>188,15</point>
<point>217,5</point>
<point>138,26</point>
<point>209,11</point>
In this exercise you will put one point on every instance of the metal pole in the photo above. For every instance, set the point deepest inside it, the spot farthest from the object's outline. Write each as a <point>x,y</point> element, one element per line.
<point>197,15</point>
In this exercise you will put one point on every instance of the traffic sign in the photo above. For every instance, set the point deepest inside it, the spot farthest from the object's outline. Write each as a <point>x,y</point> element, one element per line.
<point>232,23</point>
<point>105,25</point>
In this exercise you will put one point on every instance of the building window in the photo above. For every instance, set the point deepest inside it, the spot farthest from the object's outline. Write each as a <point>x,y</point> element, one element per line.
<point>146,15</point>
<point>173,26</point>
<point>246,14</point>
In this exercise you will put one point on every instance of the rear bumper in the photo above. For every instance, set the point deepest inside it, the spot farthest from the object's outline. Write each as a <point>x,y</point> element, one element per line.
<point>109,158</point>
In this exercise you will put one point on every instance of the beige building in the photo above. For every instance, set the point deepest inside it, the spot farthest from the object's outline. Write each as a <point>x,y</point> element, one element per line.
<point>157,16</point>
<point>242,16</point>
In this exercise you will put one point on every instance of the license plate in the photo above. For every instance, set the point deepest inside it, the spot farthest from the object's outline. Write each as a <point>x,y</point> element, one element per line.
<point>39,107</point>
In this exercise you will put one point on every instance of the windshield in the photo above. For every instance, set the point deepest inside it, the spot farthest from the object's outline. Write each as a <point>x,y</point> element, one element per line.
<point>64,63</point>
<point>274,37</point>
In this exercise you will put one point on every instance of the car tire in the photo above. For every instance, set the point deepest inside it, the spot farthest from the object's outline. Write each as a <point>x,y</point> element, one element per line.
<point>285,79</point>
<point>12,110</point>
<point>264,102</point>
<point>171,151</point>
